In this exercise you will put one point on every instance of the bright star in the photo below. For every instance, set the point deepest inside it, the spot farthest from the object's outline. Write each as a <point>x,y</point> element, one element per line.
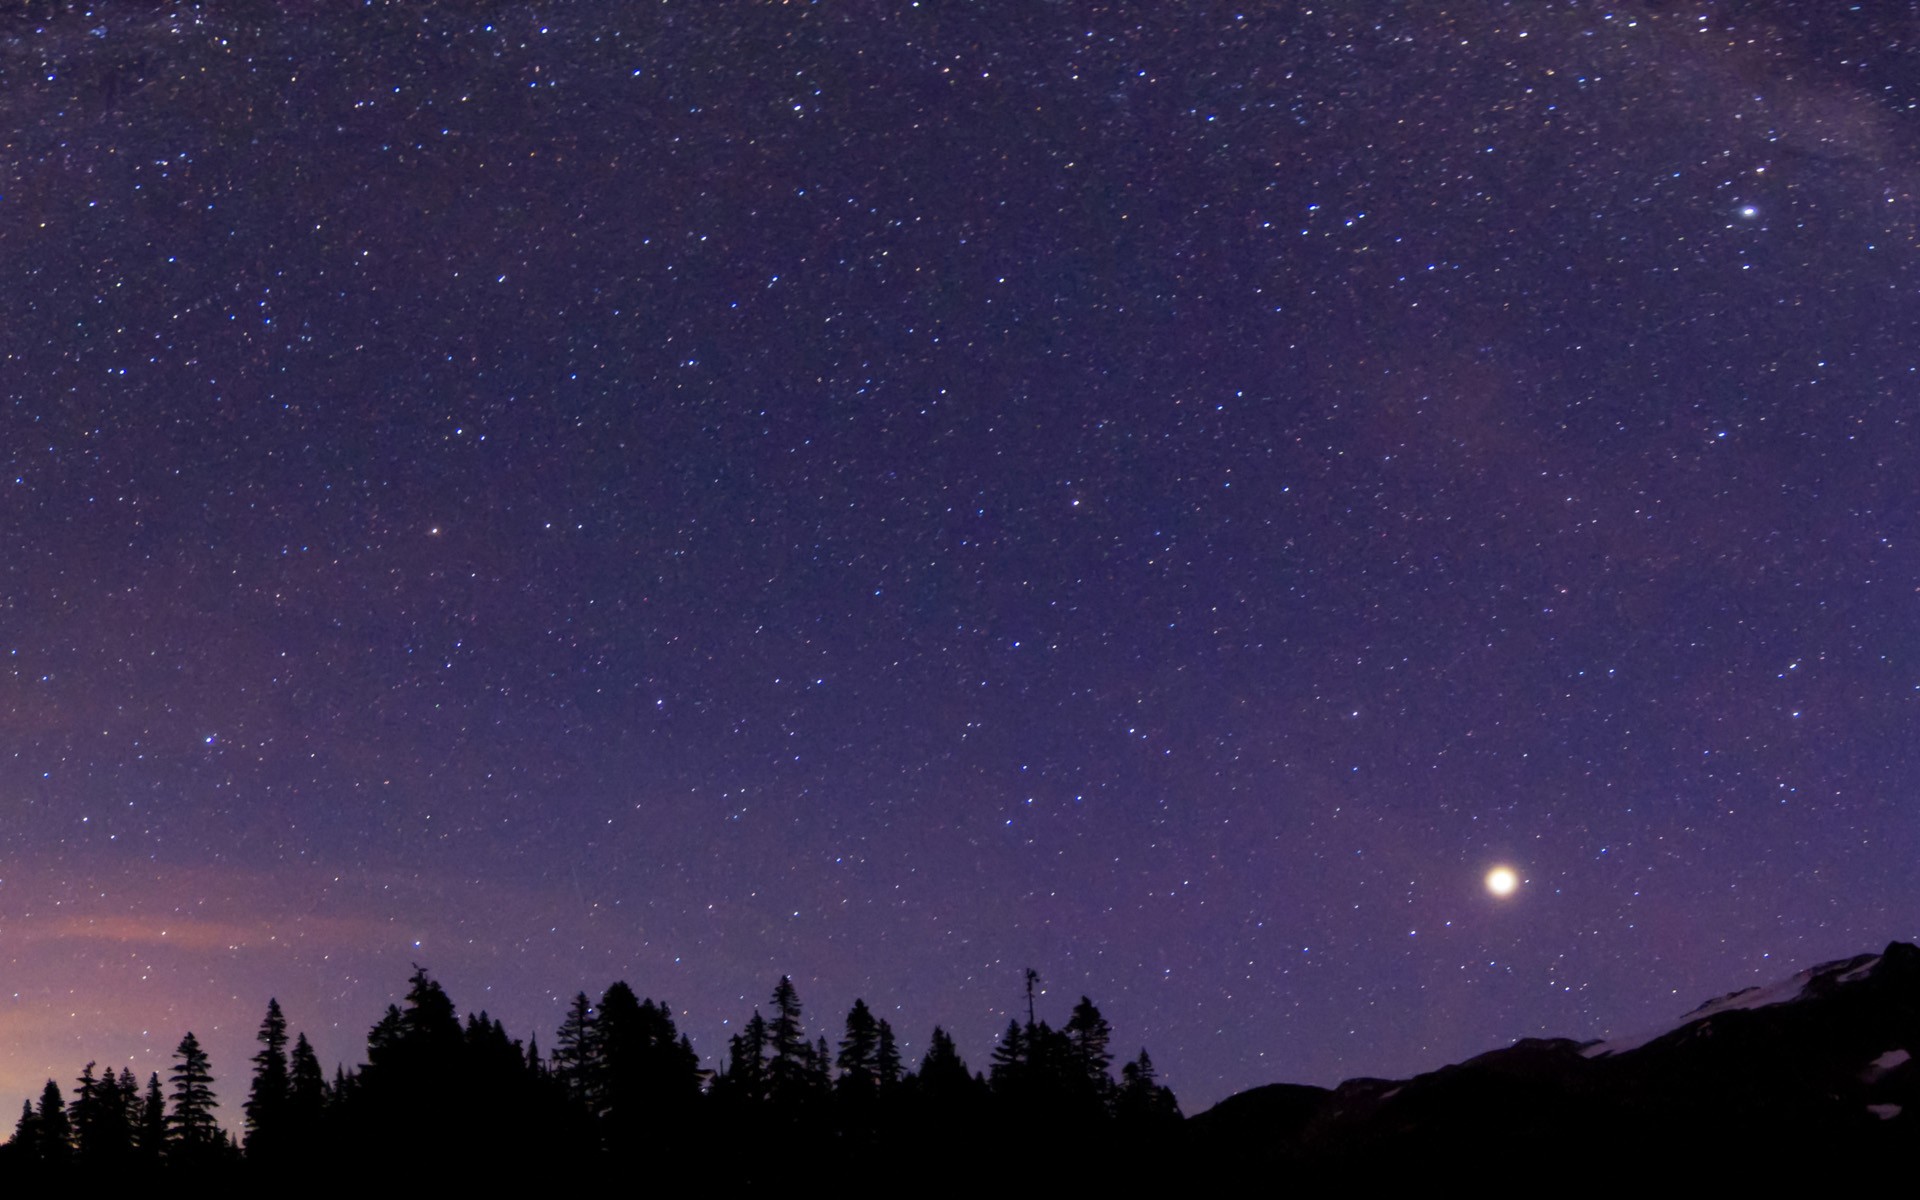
<point>1502,881</point>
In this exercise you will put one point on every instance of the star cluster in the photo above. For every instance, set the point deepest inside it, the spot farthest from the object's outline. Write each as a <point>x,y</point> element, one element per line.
<point>895,493</point>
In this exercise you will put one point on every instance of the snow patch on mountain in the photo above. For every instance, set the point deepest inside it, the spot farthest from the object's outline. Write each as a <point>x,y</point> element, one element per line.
<point>1786,991</point>
<point>1886,1062</point>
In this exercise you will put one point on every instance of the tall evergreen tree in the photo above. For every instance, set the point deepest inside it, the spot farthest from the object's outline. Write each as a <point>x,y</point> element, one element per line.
<point>383,1040</point>
<point>129,1119</point>
<point>1010,1058</point>
<point>150,1136</point>
<point>1089,1034</point>
<point>573,1051</point>
<point>83,1115</point>
<point>192,1131</point>
<point>56,1131</point>
<point>306,1092</point>
<point>266,1106</point>
<point>98,1116</point>
<point>941,1067</point>
<point>788,1068</point>
<point>26,1133</point>
<point>818,1079</point>
<point>859,1058</point>
<point>886,1059</point>
<point>647,1076</point>
<point>430,1025</point>
<point>746,1075</point>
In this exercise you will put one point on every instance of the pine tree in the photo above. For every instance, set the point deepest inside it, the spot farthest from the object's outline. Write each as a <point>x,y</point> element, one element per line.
<point>266,1106</point>
<point>56,1131</point>
<point>746,1075</point>
<point>99,1118</point>
<point>430,1025</point>
<point>1141,1099</point>
<point>83,1115</point>
<point>26,1133</point>
<point>1010,1058</point>
<point>787,1071</point>
<point>573,1052</point>
<point>1089,1034</point>
<point>383,1040</point>
<point>859,1058</point>
<point>943,1096</point>
<point>306,1094</point>
<point>886,1059</point>
<point>818,1079</point>
<point>128,1118</point>
<point>150,1136</point>
<point>942,1069</point>
<point>192,1131</point>
<point>648,1077</point>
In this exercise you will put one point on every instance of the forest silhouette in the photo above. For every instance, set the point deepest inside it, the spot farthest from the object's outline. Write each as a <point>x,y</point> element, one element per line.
<point>620,1090</point>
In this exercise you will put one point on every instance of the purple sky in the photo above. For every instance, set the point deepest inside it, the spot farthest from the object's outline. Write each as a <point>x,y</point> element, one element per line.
<point>898,493</point>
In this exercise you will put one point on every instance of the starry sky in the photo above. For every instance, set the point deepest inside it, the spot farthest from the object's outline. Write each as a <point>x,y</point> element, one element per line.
<point>896,493</point>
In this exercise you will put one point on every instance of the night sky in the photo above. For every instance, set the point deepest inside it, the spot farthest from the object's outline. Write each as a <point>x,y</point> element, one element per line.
<point>1166,494</point>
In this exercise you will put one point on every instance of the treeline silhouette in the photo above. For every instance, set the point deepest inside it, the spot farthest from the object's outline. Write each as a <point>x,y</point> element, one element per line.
<point>621,1089</point>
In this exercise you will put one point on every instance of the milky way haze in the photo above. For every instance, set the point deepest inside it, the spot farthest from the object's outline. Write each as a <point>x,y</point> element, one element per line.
<point>899,493</point>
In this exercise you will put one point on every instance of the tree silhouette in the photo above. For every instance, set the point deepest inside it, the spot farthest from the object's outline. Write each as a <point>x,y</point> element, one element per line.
<point>886,1060</point>
<point>789,1067</point>
<point>150,1135</point>
<point>25,1143</point>
<point>1141,1100</point>
<point>192,1132</point>
<point>1088,1058</point>
<point>99,1119</point>
<point>306,1094</point>
<point>645,1074</point>
<point>266,1106</point>
<point>859,1057</point>
<point>573,1052</point>
<point>626,1086</point>
<point>745,1079</point>
<point>1011,1058</point>
<point>56,1130</point>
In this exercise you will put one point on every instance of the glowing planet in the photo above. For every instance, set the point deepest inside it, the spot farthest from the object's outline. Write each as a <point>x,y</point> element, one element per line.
<point>1502,881</point>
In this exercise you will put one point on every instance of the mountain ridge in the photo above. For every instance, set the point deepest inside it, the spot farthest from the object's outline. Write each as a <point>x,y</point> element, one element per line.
<point>1820,1064</point>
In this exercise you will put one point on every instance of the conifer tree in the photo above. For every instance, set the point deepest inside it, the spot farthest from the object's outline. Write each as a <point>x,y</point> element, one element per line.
<point>383,1040</point>
<point>129,1119</point>
<point>818,1080</point>
<point>192,1131</point>
<point>1010,1058</point>
<point>1141,1098</point>
<point>788,1069</point>
<point>1089,1034</point>
<point>26,1132</point>
<point>573,1051</point>
<point>647,1076</point>
<point>266,1106</point>
<point>306,1093</point>
<point>859,1058</point>
<point>83,1114</point>
<point>56,1131</point>
<point>886,1059</point>
<point>430,1025</point>
<point>150,1136</point>
<point>746,1075</point>
<point>99,1118</point>
<point>941,1068</point>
